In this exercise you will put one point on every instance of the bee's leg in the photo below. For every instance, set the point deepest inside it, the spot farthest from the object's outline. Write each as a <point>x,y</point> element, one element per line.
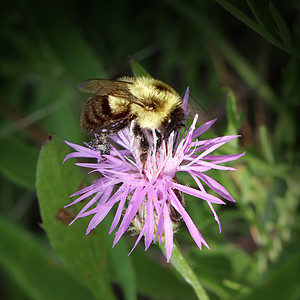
<point>158,139</point>
<point>173,123</point>
<point>101,143</point>
<point>175,216</point>
<point>141,135</point>
<point>117,126</point>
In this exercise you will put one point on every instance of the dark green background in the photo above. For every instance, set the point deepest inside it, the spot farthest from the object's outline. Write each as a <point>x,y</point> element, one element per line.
<point>241,62</point>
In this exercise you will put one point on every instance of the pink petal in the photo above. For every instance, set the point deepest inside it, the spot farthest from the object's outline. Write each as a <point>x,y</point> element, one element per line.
<point>94,185</point>
<point>215,186</point>
<point>91,192</point>
<point>99,216</point>
<point>200,130</point>
<point>223,158</point>
<point>138,239</point>
<point>196,235</point>
<point>213,166</point>
<point>196,193</point>
<point>197,181</point>
<point>205,144</point>
<point>133,206</point>
<point>149,224</point>
<point>118,214</point>
<point>83,151</point>
<point>158,209</point>
<point>185,100</point>
<point>168,232</point>
<point>87,206</point>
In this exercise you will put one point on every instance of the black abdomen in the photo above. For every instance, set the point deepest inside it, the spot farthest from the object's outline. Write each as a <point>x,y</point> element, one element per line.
<point>97,115</point>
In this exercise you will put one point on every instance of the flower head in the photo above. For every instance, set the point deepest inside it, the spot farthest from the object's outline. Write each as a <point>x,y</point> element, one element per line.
<point>147,194</point>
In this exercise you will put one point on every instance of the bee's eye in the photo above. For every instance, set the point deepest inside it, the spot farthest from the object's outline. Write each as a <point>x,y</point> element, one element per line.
<point>149,108</point>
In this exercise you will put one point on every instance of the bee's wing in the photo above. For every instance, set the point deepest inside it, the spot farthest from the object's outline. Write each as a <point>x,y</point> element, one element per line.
<point>103,87</point>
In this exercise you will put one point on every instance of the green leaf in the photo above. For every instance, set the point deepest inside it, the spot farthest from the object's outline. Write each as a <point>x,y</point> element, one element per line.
<point>283,30</point>
<point>266,144</point>
<point>157,280</point>
<point>183,268</point>
<point>33,269</point>
<point>137,69</point>
<point>256,12</point>
<point>259,9</point>
<point>18,162</point>
<point>235,11</point>
<point>281,283</point>
<point>85,255</point>
<point>221,268</point>
<point>285,133</point>
<point>265,28</point>
<point>65,120</point>
<point>233,118</point>
<point>122,270</point>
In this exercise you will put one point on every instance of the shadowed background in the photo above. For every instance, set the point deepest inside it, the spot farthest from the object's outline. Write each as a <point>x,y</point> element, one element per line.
<point>241,62</point>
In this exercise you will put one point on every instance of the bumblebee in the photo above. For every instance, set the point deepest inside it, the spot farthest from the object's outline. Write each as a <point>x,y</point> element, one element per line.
<point>151,103</point>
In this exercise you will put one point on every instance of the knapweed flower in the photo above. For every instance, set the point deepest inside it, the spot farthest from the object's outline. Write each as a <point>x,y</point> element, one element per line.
<point>147,194</point>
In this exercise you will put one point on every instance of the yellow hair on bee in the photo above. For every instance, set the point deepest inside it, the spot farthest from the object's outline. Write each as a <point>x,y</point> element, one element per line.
<point>117,105</point>
<point>159,99</point>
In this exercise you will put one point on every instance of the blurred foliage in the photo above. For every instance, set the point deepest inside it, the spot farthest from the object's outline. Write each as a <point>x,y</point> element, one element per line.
<point>241,61</point>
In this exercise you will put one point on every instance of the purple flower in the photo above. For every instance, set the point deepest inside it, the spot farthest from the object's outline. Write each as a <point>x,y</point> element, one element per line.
<point>148,196</point>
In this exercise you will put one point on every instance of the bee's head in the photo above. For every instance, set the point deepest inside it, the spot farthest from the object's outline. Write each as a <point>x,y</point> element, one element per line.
<point>157,102</point>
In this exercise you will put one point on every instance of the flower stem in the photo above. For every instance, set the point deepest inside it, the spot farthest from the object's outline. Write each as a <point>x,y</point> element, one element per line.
<point>181,265</point>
